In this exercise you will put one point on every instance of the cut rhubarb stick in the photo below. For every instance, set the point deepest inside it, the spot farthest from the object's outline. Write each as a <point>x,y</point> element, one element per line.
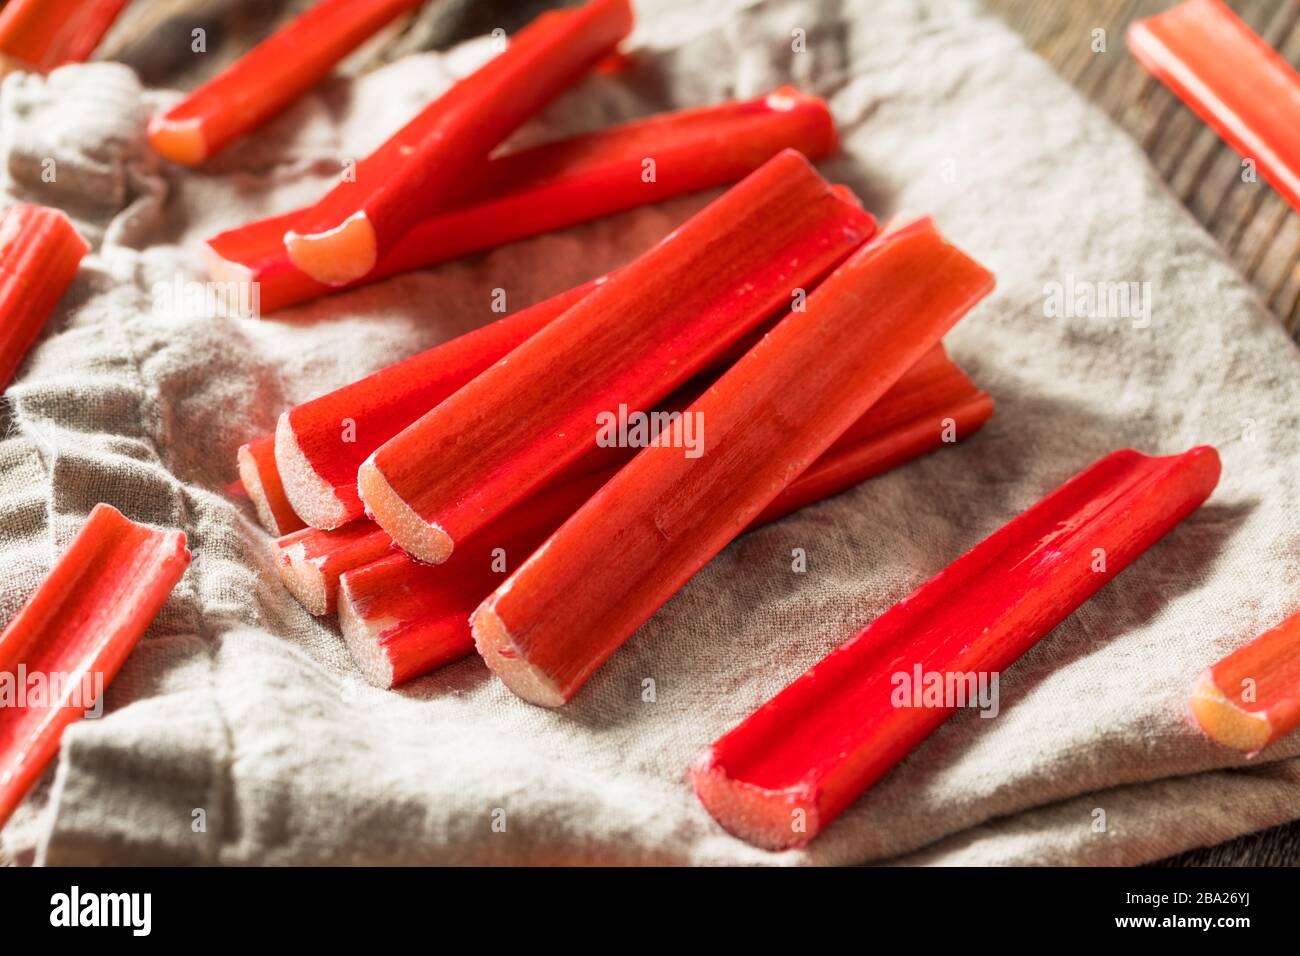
<point>1232,80</point>
<point>269,77</point>
<point>664,515</point>
<point>40,252</point>
<point>402,619</point>
<point>419,169</point>
<point>38,35</point>
<point>320,444</point>
<point>790,768</point>
<point>261,482</point>
<point>1252,697</point>
<point>932,404</point>
<point>310,561</point>
<point>556,185</point>
<point>69,640</point>
<point>669,314</point>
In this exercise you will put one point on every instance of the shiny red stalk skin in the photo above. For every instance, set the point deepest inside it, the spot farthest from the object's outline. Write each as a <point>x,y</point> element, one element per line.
<point>320,444</point>
<point>82,622</point>
<point>555,185</point>
<point>402,619</point>
<point>1232,80</point>
<point>419,169</point>
<point>268,78</point>
<point>1252,697</point>
<point>259,479</point>
<point>770,416</point>
<point>40,253</point>
<point>792,767</point>
<point>669,314</point>
<point>40,35</point>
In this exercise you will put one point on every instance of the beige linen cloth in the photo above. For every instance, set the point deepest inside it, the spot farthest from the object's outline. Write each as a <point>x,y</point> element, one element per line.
<point>240,732</point>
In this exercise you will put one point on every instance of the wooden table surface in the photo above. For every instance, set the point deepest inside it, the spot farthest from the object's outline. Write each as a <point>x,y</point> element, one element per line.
<point>1256,228</point>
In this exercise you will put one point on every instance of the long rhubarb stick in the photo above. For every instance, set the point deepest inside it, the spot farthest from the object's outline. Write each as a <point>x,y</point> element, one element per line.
<point>657,322</point>
<point>934,402</point>
<point>1252,697</point>
<point>69,640</point>
<point>40,252</point>
<point>791,767</point>
<point>1231,79</point>
<point>402,619</point>
<point>39,35</point>
<point>320,444</point>
<point>269,77</point>
<point>417,170</point>
<point>556,185</point>
<point>261,482</point>
<point>665,515</point>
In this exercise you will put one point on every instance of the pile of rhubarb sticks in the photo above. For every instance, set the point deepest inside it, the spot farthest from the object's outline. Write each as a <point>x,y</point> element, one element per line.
<point>461,501</point>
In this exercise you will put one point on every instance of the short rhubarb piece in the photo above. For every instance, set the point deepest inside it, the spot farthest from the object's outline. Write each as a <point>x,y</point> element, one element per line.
<point>69,640</point>
<point>418,169</point>
<point>310,561</point>
<point>1252,697</point>
<point>320,444</point>
<point>40,252</point>
<point>1232,80</point>
<point>269,77</point>
<point>261,482</point>
<point>553,186</point>
<point>39,35</point>
<point>657,322</point>
<point>787,771</point>
<point>402,619</point>
<point>771,415</point>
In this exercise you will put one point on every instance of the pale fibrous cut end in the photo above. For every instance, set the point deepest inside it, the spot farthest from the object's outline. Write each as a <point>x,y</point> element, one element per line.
<point>337,256</point>
<point>181,141</point>
<point>363,637</point>
<point>251,479</point>
<point>302,579</point>
<point>497,648</point>
<point>767,819</point>
<point>421,540</point>
<point>1226,723</point>
<point>310,495</point>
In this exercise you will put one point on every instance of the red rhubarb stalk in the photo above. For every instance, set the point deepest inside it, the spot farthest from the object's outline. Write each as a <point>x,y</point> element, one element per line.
<point>556,185</point>
<point>1231,79</point>
<point>269,77</point>
<point>320,444</point>
<point>933,403</point>
<point>402,619</point>
<point>69,640</point>
<point>418,170</point>
<point>260,479</point>
<point>669,314</point>
<point>1252,697</point>
<point>792,766</point>
<point>40,252</point>
<point>664,515</point>
<point>38,35</point>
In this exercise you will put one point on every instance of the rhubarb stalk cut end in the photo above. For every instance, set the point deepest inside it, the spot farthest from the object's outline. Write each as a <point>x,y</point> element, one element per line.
<point>363,639</point>
<point>421,540</point>
<point>303,579</point>
<point>769,819</point>
<point>499,651</point>
<point>336,256</point>
<point>1226,723</point>
<point>311,496</point>
<point>181,141</point>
